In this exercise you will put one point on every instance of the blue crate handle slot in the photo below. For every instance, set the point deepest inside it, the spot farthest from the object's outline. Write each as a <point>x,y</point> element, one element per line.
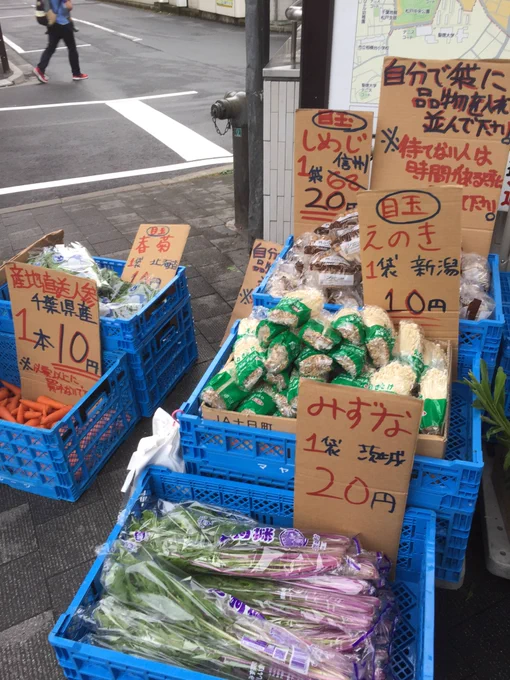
<point>159,300</point>
<point>170,329</point>
<point>97,395</point>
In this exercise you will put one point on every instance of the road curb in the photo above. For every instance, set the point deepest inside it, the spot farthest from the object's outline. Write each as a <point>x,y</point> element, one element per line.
<point>222,170</point>
<point>16,78</point>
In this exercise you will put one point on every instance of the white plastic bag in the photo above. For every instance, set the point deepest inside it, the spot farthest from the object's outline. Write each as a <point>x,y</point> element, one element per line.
<point>163,449</point>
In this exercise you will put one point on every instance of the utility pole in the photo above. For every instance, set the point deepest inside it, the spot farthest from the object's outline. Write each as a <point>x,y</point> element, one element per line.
<point>257,56</point>
<point>4,62</point>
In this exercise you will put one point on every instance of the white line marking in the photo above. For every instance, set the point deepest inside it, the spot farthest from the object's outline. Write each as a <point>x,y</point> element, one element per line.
<point>63,47</point>
<point>113,175</point>
<point>98,101</point>
<point>108,30</point>
<point>15,47</point>
<point>17,16</point>
<point>181,139</point>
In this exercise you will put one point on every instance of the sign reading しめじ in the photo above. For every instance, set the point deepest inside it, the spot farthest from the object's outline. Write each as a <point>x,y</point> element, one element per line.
<point>354,458</point>
<point>155,254</point>
<point>331,164</point>
<point>56,324</point>
<point>446,122</point>
<point>410,256</point>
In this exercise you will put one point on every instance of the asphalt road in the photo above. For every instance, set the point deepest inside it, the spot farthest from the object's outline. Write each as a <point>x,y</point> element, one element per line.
<point>131,133</point>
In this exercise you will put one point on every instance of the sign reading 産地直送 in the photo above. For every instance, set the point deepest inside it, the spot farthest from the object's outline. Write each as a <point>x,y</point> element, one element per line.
<point>56,325</point>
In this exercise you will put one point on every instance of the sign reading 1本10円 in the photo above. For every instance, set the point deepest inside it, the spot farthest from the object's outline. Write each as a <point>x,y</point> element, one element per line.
<point>56,322</point>
<point>446,122</point>
<point>331,164</point>
<point>410,256</point>
<point>354,457</point>
<point>155,254</point>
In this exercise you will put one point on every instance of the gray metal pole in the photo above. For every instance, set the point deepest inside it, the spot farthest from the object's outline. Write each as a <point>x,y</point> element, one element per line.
<point>3,55</point>
<point>257,56</point>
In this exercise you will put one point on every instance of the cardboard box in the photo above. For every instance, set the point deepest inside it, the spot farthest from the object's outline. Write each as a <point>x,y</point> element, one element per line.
<point>49,240</point>
<point>433,446</point>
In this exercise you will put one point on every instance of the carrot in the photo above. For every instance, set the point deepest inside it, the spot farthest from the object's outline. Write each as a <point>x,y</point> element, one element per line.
<point>50,402</point>
<point>32,405</point>
<point>20,417</point>
<point>14,412</point>
<point>13,403</point>
<point>35,422</point>
<point>5,415</point>
<point>4,392</point>
<point>56,416</point>
<point>4,402</point>
<point>32,414</point>
<point>10,386</point>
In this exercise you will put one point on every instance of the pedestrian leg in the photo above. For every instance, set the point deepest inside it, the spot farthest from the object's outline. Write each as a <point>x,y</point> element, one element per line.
<point>68,38</point>
<point>53,41</point>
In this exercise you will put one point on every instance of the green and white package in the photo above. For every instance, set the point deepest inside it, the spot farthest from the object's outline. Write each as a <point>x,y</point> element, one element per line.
<point>349,324</point>
<point>434,392</point>
<point>282,352</point>
<point>379,344</point>
<point>351,358</point>
<point>259,403</point>
<point>267,331</point>
<point>280,381</point>
<point>319,334</point>
<point>250,368</point>
<point>362,381</point>
<point>222,390</point>
<point>297,307</point>
<point>312,363</point>
<point>434,413</point>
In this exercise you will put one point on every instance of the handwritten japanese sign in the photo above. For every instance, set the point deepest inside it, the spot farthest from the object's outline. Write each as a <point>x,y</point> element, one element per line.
<point>156,254</point>
<point>410,255</point>
<point>56,322</point>
<point>263,254</point>
<point>354,457</point>
<point>446,122</point>
<point>331,164</point>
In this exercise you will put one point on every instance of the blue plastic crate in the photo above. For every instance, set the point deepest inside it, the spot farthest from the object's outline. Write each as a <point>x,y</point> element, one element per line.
<point>249,454</point>
<point>413,647</point>
<point>475,337</point>
<point>452,536</point>
<point>504,359</point>
<point>126,335</point>
<point>62,462</point>
<point>163,360</point>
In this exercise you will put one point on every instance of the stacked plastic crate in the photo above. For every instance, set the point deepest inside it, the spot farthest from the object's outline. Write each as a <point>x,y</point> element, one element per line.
<point>504,360</point>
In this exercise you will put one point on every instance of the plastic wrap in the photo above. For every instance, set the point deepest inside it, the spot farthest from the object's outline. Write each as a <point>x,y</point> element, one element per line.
<point>351,358</point>
<point>295,309</point>
<point>249,360</point>
<point>319,334</point>
<point>475,270</point>
<point>349,323</point>
<point>396,377</point>
<point>434,356</point>
<point>222,390</point>
<point>348,296</point>
<point>379,335</point>
<point>282,351</point>
<point>267,331</point>
<point>475,304</point>
<point>409,346</point>
<point>312,363</point>
<point>434,392</point>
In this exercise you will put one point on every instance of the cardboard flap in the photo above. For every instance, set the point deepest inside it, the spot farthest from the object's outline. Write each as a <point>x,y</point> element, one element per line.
<point>51,239</point>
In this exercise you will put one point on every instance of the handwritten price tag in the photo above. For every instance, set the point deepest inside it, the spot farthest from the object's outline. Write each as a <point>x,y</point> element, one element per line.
<point>156,254</point>
<point>331,164</point>
<point>410,256</point>
<point>446,122</point>
<point>56,322</point>
<point>354,457</point>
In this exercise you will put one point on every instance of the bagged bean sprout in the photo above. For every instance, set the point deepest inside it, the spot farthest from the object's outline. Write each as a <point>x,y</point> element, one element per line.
<point>409,346</point>
<point>349,323</point>
<point>434,392</point>
<point>312,363</point>
<point>281,352</point>
<point>475,270</point>
<point>379,335</point>
<point>396,377</point>
<point>351,358</point>
<point>222,390</point>
<point>319,334</point>
<point>261,402</point>
<point>296,308</point>
<point>475,304</point>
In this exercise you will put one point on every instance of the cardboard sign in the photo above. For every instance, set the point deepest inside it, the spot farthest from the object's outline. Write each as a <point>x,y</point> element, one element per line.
<point>50,239</point>
<point>263,254</point>
<point>446,122</point>
<point>155,254</point>
<point>504,199</point>
<point>354,458</point>
<point>331,164</point>
<point>410,244</point>
<point>56,323</point>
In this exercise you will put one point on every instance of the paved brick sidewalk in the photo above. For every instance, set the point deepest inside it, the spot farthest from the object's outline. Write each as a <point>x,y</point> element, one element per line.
<point>46,547</point>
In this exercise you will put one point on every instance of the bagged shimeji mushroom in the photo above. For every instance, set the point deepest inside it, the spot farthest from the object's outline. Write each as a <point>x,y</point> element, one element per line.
<point>395,377</point>
<point>319,334</point>
<point>349,323</point>
<point>379,335</point>
<point>434,356</point>
<point>296,308</point>
<point>475,270</point>
<point>267,331</point>
<point>434,392</point>
<point>260,403</point>
<point>222,390</point>
<point>362,381</point>
<point>351,358</point>
<point>249,361</point>
<point>282,352</point>
<point>475,304</point>
<point>279,380</point>
<point>312,363</point>
<point>409,346</point>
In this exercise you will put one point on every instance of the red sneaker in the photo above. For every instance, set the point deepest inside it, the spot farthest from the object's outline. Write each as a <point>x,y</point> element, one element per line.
<point>81,76</point>
<point>41,77</point>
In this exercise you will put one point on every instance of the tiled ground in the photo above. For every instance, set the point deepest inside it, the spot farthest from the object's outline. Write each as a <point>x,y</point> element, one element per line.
<point>47,547</point>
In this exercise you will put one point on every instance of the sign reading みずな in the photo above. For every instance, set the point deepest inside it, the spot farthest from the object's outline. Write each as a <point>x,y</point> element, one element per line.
<point>56,324</point>
<point>155,254</point>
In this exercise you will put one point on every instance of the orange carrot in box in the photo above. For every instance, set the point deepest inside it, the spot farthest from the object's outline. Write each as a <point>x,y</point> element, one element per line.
<point>14,412</point>
<point>4,393</point>
<point>34,422</point>
<point>10,386</point>
<point>33,405</point>
<point>32,414</point>
<point>4,401</point>
<point>5,415</point>
<point>56,416</point>
<point>50,402</point>
<point>13,402</point>
<point>20,417</point>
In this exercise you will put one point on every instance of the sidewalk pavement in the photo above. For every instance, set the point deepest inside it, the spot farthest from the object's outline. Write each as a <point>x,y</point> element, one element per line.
<point>47,547</point>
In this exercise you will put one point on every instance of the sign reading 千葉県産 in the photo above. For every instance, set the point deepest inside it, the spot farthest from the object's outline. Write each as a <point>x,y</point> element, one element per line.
<point>354,458</point>
<point>446,122</point>
<point>56,324</point>
<point>331,164</point>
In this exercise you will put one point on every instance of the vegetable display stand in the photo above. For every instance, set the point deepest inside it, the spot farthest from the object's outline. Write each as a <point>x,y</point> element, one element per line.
<point>62,462</point>
<point>412,652</point>
<point>475,337</point>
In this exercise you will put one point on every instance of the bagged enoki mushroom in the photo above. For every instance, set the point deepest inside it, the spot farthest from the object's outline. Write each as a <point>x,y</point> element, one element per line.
<point>434,356</point>
<point>395,377</point>
<point>222,390</point>
<point>319,334</point>
<point>434,392</point>
<point>351,358</point>
<point>379,335</point>
<point>349,324</point>
<point>312,363</point>
<point>282,352</point>
<point>296,308</point>
<point>475,270</point>
<point>409,346</point>
<point>259,403</point>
